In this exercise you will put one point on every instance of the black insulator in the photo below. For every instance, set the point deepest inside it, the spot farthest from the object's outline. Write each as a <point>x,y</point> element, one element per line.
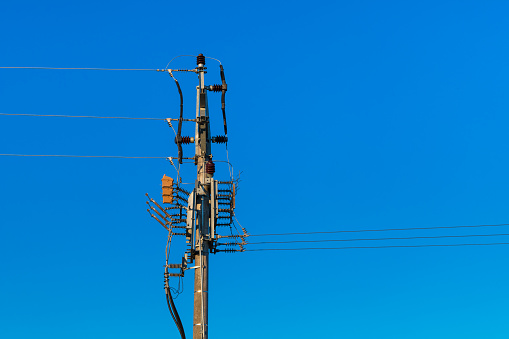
<point>200,59</point>
<point>220,139</point>
<point>210,167</point>
<point>216,88</point>
<point>228,250</point>
<point>186,140</point>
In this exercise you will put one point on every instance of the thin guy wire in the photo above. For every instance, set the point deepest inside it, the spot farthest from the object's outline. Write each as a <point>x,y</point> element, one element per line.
<point>77,116</point>
<point>79,156</point>
<point>371,247</point>
<point>81,68</point>
<point>405,238</point>
<point>381,230</point>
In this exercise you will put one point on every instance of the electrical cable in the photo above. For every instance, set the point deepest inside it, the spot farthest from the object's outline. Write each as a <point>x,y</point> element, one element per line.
<point>83,68</point>
<point>223,94</point>
<point>77,116</point>
<point>179,129</point>
<point>173,310</point>
<point>169,299</point>
<point>79,156</point>
<point>380,230</point>
<point>179,56</point>
<point>189,55</point>
<point>214,59</point>
<point>230,166</point>
<point>368,239</point>
<point>370,247</point>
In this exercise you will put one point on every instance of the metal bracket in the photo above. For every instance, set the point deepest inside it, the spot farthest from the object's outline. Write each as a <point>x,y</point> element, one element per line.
<point>201,191</point>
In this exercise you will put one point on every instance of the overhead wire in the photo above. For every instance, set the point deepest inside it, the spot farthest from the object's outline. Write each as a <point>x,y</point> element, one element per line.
<point>80,68</point>
<point>373,247</point>
<point>79,116</point>
<point>181,117</point>
<point>214,59</point>
<point>79,156</point>
<point>189,55</point>
<point>380,239</point>
<point>179,56</point>
<point>379,230</point>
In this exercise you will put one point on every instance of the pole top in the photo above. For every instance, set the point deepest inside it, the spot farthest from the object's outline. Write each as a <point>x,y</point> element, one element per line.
<point>200,59</point>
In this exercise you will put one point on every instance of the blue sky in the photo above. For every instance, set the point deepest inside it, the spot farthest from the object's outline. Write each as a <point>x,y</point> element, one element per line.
<point>341,116</point>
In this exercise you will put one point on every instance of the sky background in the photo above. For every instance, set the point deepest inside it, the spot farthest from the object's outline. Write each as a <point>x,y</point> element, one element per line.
<point>341,116</point>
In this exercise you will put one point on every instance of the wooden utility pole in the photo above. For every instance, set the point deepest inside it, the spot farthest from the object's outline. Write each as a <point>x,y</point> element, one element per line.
<point>203,210</point>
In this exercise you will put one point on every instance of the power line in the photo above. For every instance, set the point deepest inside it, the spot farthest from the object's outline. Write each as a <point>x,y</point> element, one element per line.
<point>84,68</point>
<point>79,116</point>
<point>380,230</point>
<point>80,156</point>
<point>405,238</point>
<point>371,247</point>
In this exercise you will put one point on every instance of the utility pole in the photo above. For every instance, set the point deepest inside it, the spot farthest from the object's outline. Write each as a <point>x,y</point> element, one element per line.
<point>202,156</point>
<point>198,215</point>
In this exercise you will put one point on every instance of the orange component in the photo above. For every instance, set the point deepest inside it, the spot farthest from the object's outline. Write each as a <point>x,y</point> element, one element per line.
<point>167,184</point>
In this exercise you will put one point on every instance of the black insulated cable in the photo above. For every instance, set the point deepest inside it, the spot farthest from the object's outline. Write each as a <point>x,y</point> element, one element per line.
<point>178,139</point>
<point>224,88</point>
<point>171,305</point>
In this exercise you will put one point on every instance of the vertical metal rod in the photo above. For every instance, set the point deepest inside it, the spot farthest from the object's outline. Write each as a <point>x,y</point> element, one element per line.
<point>203,152</point>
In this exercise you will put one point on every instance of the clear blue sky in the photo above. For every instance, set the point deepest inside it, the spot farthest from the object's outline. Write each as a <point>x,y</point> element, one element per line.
<point>342,115</point>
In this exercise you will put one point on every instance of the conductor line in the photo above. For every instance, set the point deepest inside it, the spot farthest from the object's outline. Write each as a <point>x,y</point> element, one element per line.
<point>372,247</point>
<point>79,116</point>
<point>370,239</point>
<point>381,230</point>
<point>79,156</point>
<point>82,68</point>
